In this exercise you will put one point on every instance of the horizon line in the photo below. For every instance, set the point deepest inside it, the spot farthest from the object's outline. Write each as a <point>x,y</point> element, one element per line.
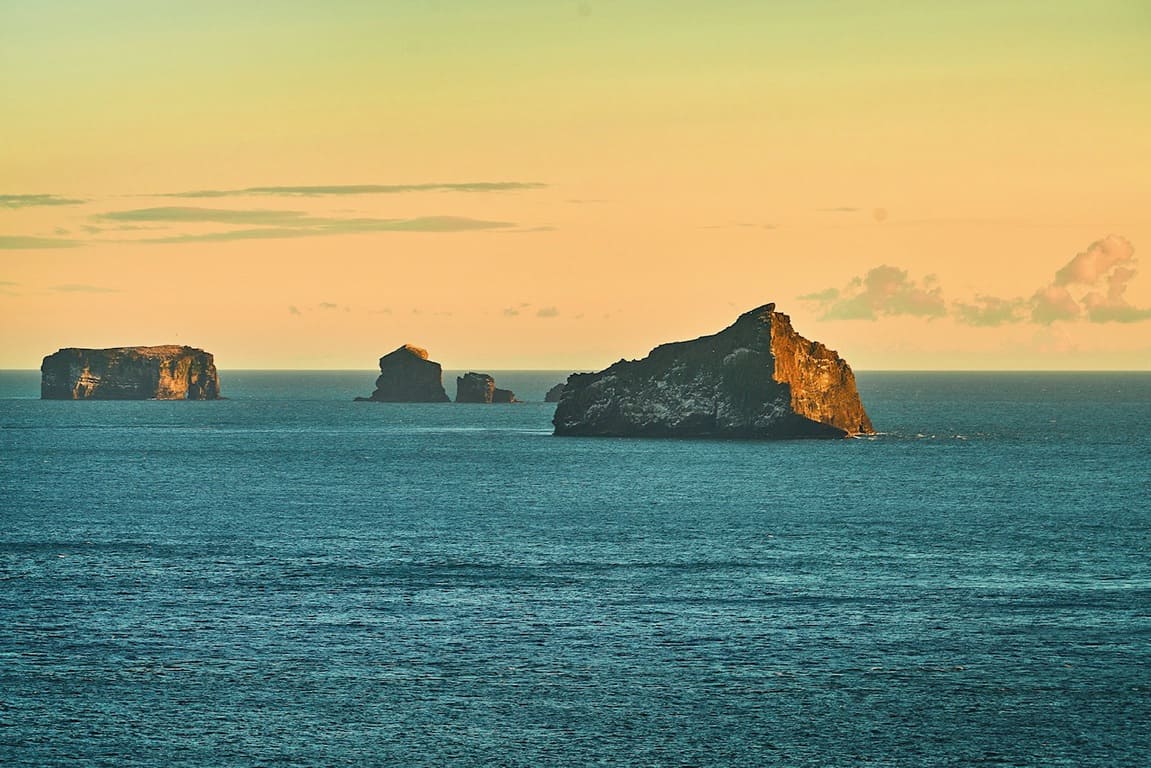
<point>594,370</point>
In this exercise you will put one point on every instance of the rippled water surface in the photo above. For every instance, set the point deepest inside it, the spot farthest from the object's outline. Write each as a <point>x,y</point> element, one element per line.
<point>291,578</point>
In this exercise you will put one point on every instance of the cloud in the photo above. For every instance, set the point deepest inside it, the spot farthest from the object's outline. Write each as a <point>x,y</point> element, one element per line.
<point>548,312</point>
<point>30,201</point>
<point>1088,267</point>
<point>274,224</point>
<point>360,189</point>
<point>294,310</point>
<point>511,312</point>
<point>840,209</point>
<point>1105,269</point>
<point>884,290</point>
<point>989,311</point>
<point>1091,286</point>
<point>19,243</point>
<point>83,288</point>
<point>1054,303</point>
<point>182,215</point>
<point>329,306</point>
<point>238,234</point>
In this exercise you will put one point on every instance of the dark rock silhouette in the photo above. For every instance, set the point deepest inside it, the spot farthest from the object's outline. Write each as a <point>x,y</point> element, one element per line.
<point>555,393</point>
<point>757,378</point>
<point>408,376</point>
<point>503,396</point>
<point>475,388</point>
<point>169,372</point>
<point>481,388</point>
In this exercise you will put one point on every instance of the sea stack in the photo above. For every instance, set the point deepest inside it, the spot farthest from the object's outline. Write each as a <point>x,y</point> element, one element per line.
<point>408,376</point>
<point>169,372</point>
<point>755,379</point>
<point>481,388</point>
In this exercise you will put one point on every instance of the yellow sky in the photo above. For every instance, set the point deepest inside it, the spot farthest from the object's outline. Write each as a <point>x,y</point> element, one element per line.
<point>561,184</point>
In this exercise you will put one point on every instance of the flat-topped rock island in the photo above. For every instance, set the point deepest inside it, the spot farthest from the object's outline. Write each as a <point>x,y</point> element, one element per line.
<point>408,376</point>
<point>757,378</point>
<point>168,372</point>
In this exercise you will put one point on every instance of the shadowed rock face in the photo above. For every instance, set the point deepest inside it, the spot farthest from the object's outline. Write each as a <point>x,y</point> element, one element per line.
<point>168,372</point>
<point>555,393</point>
<point>408,376</point>
<point>475,388</point>
<point>481,388</point>
<point>503,396</point>
<point>757,378</point>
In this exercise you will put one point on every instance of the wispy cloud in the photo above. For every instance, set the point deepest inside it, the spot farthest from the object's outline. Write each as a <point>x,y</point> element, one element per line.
<point>83,288</point>
<point>361,189</point>
<point>20,243</point>
<point>234,235</point>
<point>191,215</point>
<point>884,290</point>
<point>273,224</point>
<point>31,201</point>
<point>548,312</point>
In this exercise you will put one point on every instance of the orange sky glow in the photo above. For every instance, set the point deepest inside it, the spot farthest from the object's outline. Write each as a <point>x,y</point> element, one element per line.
<point>517,185</point>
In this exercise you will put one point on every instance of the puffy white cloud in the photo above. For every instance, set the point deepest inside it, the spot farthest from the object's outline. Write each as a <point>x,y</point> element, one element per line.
<point>884,290</point>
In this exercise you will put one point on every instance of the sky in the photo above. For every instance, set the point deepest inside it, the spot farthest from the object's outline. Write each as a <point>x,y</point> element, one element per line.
<point>539,184</point>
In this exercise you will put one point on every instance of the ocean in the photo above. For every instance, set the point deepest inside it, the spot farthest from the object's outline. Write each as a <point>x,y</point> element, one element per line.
<point>288,578</point>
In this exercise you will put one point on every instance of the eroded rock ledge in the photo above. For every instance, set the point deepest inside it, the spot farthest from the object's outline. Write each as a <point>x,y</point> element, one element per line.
<point>757,378</point>
<point>169,372</point>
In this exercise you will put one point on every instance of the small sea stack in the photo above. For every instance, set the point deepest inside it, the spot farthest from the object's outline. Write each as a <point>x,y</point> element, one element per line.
<point>481,388</point>
<point>168,372</point>
<point>408,376</point>
<point>756,379</point>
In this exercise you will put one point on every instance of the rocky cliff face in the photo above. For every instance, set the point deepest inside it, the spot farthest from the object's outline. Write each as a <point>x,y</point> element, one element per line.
<point>503,396</point>
<point>129,373</point>
<point>481,388</point>
<point>555,393</point>
<point>757,378</point>
<point>408,376</point>
<point>475,388</point>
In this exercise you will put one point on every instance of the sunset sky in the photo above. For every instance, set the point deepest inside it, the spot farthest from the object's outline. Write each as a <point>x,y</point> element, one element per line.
<point>556,185</point>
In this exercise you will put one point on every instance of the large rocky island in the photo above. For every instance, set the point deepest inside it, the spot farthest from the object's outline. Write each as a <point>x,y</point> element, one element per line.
<point>169,372</point>
<point>408,376</point>
<point>757,378</point>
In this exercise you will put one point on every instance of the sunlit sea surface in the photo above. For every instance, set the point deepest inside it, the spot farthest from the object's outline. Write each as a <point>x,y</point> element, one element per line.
<point>290,578</point>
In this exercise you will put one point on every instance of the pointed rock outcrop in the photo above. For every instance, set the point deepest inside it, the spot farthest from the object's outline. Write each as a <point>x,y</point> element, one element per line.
<point>169,372</point>
<point>757,378</point>
<point>408,376</point>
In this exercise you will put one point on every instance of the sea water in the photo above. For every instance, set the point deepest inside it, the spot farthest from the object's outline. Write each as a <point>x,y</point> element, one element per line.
<point>290,578</point>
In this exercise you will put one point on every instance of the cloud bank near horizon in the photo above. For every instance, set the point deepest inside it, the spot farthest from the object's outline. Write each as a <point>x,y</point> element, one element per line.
<point>1091,286</point>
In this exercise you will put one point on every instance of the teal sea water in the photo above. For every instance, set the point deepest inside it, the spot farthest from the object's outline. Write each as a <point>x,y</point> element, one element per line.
<point>289,578</point>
